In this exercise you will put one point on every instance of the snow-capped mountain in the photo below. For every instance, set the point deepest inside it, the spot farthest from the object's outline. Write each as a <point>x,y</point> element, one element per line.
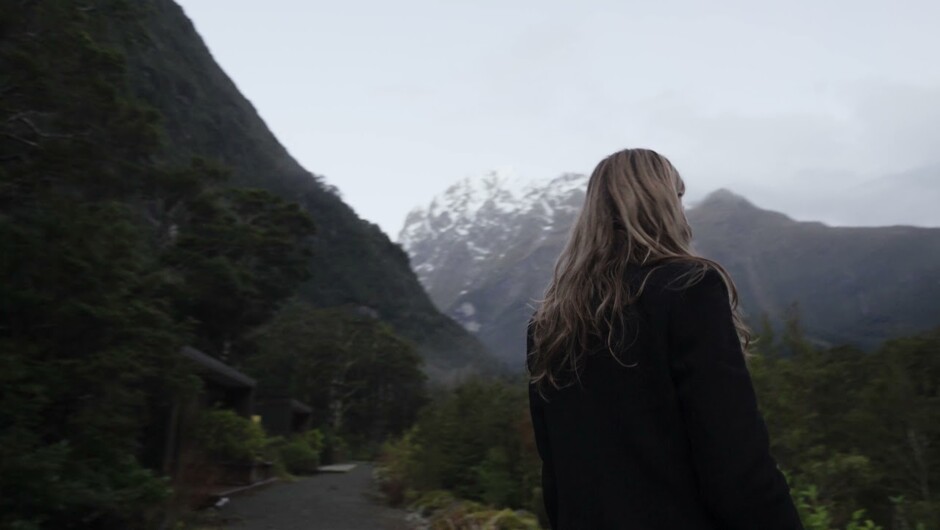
<point>475,223</point>
<point>484,250</point>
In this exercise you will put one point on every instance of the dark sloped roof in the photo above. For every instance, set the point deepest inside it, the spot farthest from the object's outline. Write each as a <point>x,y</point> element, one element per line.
<point>297,406</point>
<point>292,404</point>
<point>217,371</point>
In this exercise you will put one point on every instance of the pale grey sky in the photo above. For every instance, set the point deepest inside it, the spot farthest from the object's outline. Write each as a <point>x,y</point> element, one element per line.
<point>807,107</point>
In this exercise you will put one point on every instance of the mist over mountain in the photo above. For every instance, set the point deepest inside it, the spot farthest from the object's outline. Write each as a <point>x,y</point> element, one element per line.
<point>485,249</point>
<point>916,192</point>
<point>910,197</point>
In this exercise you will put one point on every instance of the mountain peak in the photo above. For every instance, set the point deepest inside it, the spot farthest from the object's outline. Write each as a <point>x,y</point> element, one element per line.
<point>474,202</point>
<point>477,221</point>
<point>726,204</point>
<point>726,197</point>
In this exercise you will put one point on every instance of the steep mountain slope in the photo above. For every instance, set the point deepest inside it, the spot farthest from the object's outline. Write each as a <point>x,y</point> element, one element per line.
<point>486,254</point>
<point>853,284</point>
<point>354,262</point>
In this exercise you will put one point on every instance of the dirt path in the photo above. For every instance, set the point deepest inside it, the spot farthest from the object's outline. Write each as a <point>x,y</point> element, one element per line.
<point>328,501</point>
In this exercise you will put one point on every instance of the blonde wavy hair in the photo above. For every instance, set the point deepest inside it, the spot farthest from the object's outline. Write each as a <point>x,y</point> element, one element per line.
<point>632,216</point>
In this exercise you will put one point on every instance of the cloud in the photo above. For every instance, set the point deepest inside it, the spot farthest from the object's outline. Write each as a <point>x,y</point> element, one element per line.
<point>839,165</point>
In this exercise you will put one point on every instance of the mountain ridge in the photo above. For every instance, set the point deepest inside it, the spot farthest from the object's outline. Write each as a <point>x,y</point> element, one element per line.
<point>778,263</point>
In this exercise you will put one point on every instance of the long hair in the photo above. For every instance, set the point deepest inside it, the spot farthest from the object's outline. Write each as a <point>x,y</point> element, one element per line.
<point>632,216</point>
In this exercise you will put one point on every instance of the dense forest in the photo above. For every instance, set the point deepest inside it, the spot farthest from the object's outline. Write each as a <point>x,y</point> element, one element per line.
<point>115,257</point>
<point>858,435</point>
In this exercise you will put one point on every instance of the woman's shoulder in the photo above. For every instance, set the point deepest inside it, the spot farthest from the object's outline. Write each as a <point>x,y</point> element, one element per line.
<point>661,283</point>
<point>678,273</point>
<point>677,286</point>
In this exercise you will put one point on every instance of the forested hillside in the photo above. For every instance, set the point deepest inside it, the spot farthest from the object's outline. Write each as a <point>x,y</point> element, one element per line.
<point>120,248</point>
<point>353,262</point>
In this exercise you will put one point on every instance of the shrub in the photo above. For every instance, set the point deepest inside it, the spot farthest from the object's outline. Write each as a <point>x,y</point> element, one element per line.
<point>299,457</point>
<point>315,440</point>
<point>817,516</point>
<point>458,516</point>
<point>335,448</point>
<point>509,520</point>
<point>469,515</point>
<point>432,502</point>
<point>224,435</point>
<point>395,473</point>
<point>494,475</point>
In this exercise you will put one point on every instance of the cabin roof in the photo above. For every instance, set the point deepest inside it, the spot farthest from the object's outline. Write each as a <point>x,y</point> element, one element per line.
<point>292,404</point>
<point>297,406</point>
<point>217,371</point>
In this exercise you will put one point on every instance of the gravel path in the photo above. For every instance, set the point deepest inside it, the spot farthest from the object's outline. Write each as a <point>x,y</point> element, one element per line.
<point>328,501</point>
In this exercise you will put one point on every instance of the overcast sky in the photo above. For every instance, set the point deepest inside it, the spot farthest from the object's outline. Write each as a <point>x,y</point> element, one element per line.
<point>814,108</point>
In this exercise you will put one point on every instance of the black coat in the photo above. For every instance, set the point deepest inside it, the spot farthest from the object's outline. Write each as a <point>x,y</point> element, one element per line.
<point>674,442</point>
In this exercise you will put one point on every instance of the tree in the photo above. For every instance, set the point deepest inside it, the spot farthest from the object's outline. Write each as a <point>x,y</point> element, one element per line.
<point>902,415</point>
<point>83,330</point>
<point>362,380</point>
<point>238,254</point>
<point>97,298</point>
<point>859,429</point>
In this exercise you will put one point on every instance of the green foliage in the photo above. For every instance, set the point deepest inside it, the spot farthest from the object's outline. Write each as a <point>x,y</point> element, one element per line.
<point>87,340</point>
<point>857,433</point>
<point>467,433</point>
<point>226,436</point>
<point>431,502</point>
<point>104,270</point>
<point>239,253</point>
<point>47,487</point>
<point>399,467</point>
<point>816,514</point>
<point>469,515</point>
<point>362,381</point>
<point>335,448</point>
<point>315,439</point>
<point>496,482</point>
<point>301,454</point>
<point>474,441</point>
<point>860,428</point>
<point>299,457</point>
